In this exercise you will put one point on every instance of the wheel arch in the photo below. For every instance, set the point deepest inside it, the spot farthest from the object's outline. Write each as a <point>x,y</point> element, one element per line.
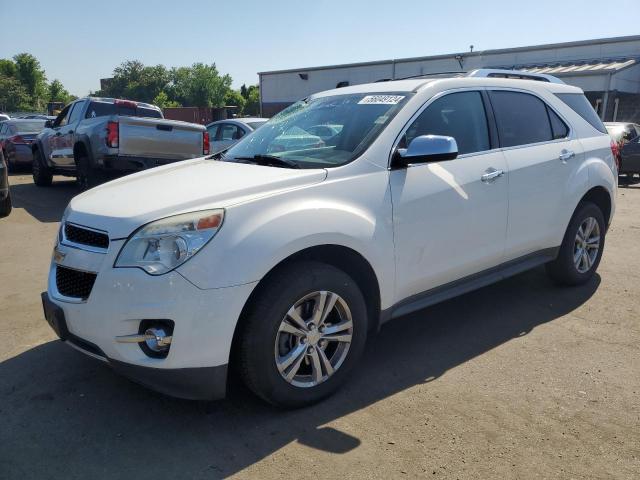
<point>602,198</point>
<point>344,258</point>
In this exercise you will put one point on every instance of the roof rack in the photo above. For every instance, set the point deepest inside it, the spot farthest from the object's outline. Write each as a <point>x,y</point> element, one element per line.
<point>498,73</point>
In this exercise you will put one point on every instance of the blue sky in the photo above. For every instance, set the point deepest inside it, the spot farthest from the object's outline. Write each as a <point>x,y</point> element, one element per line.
<point>80,42</point>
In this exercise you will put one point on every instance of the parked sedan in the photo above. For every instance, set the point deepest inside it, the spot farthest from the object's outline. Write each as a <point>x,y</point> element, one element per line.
<point>627,137</point>
<point>5,197</point>
<point>16,137</point>
<point>224,133</point>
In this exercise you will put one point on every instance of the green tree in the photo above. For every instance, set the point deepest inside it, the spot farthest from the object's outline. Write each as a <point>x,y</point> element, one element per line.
<point>252,106</point>
<point>162,101</point>
<point>235,98</point>
<point>13,96</point>
<point>7,68</point>
<point>200,85</point>
<point>32,77</point>
<point>57,92</point>
<point>135,81</point>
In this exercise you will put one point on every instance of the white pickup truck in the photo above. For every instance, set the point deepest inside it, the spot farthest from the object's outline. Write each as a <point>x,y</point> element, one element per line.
<point>93,137</point>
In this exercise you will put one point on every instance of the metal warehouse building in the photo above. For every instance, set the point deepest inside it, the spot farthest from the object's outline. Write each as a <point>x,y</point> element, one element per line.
<point>607,69</point>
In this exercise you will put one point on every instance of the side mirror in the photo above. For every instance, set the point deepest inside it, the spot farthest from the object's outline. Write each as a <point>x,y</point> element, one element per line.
<point>426,148</point>
<point>48,124</point>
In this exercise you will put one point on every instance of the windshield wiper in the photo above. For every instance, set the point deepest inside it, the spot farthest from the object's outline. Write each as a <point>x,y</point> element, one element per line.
<point>270,160</point>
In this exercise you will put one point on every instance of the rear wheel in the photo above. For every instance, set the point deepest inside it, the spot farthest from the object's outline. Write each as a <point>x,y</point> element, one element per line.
<point>303,335</point>
<point>581,248</point>
<point>42,175</point>
<point>86,176</point>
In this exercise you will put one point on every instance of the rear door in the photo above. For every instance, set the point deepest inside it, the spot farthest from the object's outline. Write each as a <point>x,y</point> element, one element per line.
<point>542,156</point>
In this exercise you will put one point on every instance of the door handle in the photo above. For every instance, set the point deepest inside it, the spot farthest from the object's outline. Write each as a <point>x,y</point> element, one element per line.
<point>491,174</point>
<point>566,155</point>
<point>70,132</point>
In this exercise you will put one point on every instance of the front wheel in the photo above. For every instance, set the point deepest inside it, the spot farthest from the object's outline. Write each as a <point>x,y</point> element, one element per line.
<point>303,334</point>
<point>581,248</point>
<point>5,206</point>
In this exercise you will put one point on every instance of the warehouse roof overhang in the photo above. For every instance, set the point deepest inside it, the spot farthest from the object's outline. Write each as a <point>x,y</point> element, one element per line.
<point>593,67</point>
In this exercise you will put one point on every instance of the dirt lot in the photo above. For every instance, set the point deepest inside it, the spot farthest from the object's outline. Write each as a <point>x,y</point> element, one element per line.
<point>518,380</point>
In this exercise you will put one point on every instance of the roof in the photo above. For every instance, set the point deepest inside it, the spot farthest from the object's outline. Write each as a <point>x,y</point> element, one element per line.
<point>585,67</point>
<point>392,86</point>
<point>548,46</point>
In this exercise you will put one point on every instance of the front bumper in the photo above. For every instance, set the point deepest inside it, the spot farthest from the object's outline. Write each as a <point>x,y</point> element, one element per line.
<point>204,322</point>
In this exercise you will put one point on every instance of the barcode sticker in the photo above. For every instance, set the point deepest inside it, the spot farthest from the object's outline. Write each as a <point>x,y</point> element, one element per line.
<point>381,100</point>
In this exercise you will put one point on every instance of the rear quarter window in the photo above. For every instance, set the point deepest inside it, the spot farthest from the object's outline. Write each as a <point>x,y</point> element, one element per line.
<point>579,104</point>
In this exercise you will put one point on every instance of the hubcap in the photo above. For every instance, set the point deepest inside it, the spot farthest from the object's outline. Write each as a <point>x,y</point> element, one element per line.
<point>587,245</point>
<point>313,339</point>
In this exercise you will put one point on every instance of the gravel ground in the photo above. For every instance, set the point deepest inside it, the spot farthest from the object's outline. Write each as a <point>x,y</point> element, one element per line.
<point>518,380</point>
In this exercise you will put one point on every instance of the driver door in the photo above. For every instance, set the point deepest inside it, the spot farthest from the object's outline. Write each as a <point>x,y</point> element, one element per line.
<point>449,217</point>
<point>58,150</point>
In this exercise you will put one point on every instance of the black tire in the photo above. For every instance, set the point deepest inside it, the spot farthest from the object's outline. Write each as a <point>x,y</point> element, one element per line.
<point>42,175</point>
<point>5,207</point>
<point>563,270</point>
<point>259,331</point>
<point>87,176</point>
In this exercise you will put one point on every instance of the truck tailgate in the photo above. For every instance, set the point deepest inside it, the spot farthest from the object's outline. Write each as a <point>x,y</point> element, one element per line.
<point>159,138</point>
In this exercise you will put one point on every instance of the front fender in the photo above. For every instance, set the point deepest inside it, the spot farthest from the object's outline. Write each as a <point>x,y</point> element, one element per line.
<point>257,236</point>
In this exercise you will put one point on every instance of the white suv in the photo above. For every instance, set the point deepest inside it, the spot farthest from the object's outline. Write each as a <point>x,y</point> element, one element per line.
<point>280,256</point>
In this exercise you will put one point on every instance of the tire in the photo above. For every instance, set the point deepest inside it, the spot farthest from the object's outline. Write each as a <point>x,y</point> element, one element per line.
<point>565,270</point>
<point>262,343</point>
<point>42,175</point>
<point>5,207</point>
<point>87,176</point>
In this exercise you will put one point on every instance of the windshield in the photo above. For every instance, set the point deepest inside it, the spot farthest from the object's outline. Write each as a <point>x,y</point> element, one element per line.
<point>322,132</point>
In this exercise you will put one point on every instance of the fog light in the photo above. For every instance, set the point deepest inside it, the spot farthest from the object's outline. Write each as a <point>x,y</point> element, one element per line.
<point>154,337</point>
<point>157,339</point>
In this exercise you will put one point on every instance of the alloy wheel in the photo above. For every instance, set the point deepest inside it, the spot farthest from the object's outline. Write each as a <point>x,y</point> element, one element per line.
<point>313,339</point>
<point>586,245</point>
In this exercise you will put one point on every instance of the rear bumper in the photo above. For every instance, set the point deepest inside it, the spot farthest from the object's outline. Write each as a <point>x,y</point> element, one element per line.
<point>21,154</point>
<point>118,163</point>
<point>201,383</point>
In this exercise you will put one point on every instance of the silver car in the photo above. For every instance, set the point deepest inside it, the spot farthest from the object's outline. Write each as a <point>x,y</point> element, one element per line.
<point>224,133</point>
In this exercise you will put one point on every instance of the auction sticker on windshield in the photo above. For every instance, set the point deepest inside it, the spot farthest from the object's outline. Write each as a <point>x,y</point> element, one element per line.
<point>381,100</point>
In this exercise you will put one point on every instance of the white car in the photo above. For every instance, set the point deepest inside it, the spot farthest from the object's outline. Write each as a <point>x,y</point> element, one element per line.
<point>282,264</point>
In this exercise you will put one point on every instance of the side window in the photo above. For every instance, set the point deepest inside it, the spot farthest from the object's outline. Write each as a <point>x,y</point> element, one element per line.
<point>559,128</point>
<point>579,104</point>
<point>458,115</point>
<point>61,120</point>
<point>228,132</point>
<point>521,118</point>
<point>213,131</point>
<point>75,113</point>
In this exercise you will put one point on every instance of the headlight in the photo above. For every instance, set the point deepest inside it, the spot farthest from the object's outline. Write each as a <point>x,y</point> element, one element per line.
<point>165,244</point>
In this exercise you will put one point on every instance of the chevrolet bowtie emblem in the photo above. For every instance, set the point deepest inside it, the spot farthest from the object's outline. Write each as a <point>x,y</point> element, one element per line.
<point>58,256</point>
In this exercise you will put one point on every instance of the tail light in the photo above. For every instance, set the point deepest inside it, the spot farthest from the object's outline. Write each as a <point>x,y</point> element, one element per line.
<point>16,139</point>
<point>615,150</point>
<point>113,135</point>
<point>205,143</point>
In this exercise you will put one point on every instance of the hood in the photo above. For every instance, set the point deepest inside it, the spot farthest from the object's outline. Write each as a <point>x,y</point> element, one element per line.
<point>121,206</point>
